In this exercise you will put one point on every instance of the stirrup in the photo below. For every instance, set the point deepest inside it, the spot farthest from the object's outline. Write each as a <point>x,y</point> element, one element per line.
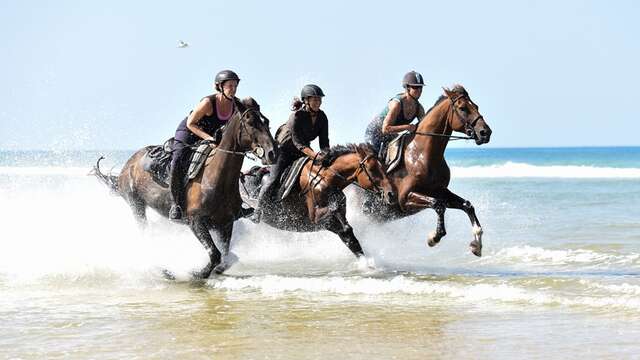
<point>175,213</point>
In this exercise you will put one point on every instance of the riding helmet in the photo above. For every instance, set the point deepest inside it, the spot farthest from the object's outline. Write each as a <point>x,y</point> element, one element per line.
<point>311,90</point>
<point>225,75</point>
<point>412,78</point>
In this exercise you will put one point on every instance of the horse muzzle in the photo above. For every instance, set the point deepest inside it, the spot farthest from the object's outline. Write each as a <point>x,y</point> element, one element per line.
<point>268,157</point>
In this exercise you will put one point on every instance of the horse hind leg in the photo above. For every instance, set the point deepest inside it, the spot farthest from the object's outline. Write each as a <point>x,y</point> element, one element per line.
<point>440,232</point>
<point>138,207</point>
<point>420,201</point>
<point>454,201</point>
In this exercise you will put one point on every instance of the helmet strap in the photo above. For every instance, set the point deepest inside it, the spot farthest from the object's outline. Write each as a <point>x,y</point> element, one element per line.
<point>222,91</point>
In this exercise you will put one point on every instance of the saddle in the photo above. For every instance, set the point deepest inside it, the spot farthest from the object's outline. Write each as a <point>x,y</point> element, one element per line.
<point>290,177</point>
<point>394,152</point>
<point>157,161</point>
<point>284,184</point>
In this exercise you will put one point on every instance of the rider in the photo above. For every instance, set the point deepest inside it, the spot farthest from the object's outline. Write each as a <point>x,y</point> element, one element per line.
<point>202,123</point>
<point>398,114</point>
<point>306,123</point>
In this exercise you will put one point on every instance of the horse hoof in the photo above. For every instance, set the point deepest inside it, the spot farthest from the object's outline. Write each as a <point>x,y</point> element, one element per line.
<point>433,240</point>
<point>220,268</point>
<point>168,275</point>
<point>201,275</point>
<point>476,248</point>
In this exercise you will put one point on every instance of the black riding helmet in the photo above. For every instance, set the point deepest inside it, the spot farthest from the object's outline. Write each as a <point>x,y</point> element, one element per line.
<point>311,90</point>
<point>412,78</point>
<point>225,75</point>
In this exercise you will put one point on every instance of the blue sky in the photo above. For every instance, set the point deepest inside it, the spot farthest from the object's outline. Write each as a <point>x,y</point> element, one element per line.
<point>108,75</point>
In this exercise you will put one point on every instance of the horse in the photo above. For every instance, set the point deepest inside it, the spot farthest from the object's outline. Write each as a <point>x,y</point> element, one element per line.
<point>316,202</point>
<point>422,179</point>
<point>213,199</point>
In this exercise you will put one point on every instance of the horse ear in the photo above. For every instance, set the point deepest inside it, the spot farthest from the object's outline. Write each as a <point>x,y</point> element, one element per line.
<point>251,103</point>
<point>448,92</point>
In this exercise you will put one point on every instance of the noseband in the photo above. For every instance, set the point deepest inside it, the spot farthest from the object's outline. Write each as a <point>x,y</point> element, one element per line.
<point>468,125</point>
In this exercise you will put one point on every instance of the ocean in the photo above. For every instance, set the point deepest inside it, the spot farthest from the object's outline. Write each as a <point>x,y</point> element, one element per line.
<point>559,277</point>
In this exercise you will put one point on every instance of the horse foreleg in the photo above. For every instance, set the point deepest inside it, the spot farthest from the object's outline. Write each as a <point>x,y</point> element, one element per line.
<point>454,201</point>
<point>341,227</point>
<point>319,213</point>
<point>224,235</point>
<point>200,229</point>
<point>419,201</point>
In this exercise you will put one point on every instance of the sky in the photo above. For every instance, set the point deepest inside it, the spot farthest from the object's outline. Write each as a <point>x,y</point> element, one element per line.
<point>109,75</point>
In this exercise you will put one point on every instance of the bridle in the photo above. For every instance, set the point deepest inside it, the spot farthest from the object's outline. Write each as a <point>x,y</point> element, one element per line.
<point>468,125</point>
<point>258,151</point>
<point>314,181</point>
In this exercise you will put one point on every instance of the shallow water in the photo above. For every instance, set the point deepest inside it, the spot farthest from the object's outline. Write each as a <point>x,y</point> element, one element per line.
<point>559,277</point>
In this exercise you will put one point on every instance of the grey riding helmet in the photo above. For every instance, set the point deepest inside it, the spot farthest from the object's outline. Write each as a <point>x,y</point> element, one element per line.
<point>412,78</point>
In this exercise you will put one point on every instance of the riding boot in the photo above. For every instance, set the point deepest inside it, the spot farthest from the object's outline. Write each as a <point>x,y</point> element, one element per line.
<point>177,186</point>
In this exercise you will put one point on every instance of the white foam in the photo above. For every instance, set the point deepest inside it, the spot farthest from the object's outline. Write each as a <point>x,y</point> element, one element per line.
<point>523,170</point>
<point>410,290</point>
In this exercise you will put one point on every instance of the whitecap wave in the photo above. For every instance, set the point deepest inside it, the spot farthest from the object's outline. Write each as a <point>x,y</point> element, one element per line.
<point>523,170</point>
<point>536,256</point>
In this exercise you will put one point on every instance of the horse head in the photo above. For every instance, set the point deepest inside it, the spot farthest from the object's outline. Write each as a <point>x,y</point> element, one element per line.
<point>365,169</point>
<point>466,117</point>
<point>253,133</point>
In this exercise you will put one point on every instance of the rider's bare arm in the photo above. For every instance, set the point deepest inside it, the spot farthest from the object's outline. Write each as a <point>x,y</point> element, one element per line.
<point>203,108</point>
<point>387,124</point>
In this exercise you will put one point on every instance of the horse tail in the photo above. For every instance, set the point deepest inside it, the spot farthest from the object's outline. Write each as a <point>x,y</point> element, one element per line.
<point>110,180</point>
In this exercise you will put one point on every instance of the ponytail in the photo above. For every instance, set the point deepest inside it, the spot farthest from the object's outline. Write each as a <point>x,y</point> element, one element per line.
<point>296,104</point>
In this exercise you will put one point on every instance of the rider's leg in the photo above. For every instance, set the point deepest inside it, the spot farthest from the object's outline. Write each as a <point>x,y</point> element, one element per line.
<point>276,170</point>
<point>177,180</point>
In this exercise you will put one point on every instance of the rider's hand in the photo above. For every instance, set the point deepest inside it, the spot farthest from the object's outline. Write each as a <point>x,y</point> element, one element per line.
<point>412,128</point>
<point>323,159</point>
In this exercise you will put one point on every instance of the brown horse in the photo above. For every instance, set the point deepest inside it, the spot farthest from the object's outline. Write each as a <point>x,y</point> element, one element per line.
<point>213,199</point>
<point>423,177</point>
<point>317,201</point>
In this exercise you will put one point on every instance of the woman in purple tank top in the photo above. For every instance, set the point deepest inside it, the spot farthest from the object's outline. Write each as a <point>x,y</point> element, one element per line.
<point>202,123</point>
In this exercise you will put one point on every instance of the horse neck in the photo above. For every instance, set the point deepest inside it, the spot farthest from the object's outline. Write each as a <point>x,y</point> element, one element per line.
<point>435,122</point>
<point>223,162</point>
<point>346,168</point>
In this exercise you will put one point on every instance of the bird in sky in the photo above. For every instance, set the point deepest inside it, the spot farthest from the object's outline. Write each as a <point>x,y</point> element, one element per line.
<point>182,44</point>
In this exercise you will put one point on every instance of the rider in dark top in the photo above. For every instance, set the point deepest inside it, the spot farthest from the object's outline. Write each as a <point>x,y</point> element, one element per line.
<point>398,114</point>
<point>202,123</point>
<point>306,123</point>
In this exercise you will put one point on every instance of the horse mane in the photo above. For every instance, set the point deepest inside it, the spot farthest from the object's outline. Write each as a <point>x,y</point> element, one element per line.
<point>336,151</point>
<point>456,89</point>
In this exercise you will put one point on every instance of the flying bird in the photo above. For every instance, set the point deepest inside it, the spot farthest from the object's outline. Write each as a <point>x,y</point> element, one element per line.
<point>182,44</point>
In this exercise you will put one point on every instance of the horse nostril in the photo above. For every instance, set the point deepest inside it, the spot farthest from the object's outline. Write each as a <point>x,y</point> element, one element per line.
<point>483,133</point>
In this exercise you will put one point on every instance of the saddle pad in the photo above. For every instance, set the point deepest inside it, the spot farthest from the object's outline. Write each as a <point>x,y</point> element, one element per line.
<point>198,159</point>
<point>290,178</point>
<point>394,152</point>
